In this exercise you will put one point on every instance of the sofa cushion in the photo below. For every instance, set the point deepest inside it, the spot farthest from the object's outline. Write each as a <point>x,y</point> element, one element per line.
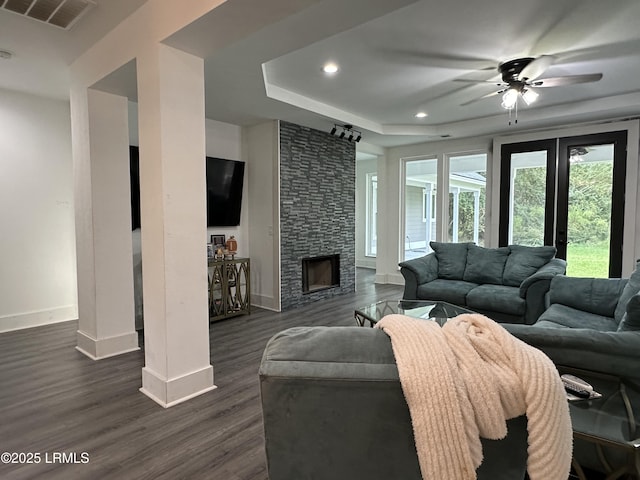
<point>452,291</point>
<point>485,265</point>
<point>575,318</point>
<point>593,295</point>
<point>452,259</point>
<point>630,289</point>
<point>498,298</point>
<point>524,261</point>
<point>547,324</point>
<point>631,318</point>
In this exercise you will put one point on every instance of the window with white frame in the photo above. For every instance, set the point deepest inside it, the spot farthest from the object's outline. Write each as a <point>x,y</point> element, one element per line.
<point>372,215</point>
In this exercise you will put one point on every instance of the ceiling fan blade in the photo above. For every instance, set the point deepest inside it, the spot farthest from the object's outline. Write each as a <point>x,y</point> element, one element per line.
<point>536,67</point>
<point>492,94</point>
<point>483,82</point>
<point>566,80</point>
<point>430,59</point>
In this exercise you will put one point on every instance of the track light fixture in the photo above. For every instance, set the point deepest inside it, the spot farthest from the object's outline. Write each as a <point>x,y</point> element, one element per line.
<point>354,135</point>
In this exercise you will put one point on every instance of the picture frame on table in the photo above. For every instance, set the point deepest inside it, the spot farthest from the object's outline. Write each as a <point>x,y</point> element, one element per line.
<point>218,241</point>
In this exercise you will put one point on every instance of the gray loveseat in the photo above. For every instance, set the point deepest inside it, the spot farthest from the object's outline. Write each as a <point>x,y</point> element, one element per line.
<point>508,284</point>
<point>333,408</point>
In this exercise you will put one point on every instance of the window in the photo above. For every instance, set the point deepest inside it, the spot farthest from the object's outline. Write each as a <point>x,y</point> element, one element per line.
<point>467,198</point>
<point>419,206</point>
<point>372,215</point>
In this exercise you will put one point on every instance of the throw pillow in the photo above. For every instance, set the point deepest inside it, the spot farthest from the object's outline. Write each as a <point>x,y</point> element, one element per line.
<point>631,318</point>
<point>452,258</point>
<point>630,289</point>
<point>485,265</point>
<point>524,261</point>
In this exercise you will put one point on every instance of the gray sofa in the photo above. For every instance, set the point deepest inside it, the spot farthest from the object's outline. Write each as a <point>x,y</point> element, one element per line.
<point>333,408</point>
<point>590,323</point>
<point>507,284</point>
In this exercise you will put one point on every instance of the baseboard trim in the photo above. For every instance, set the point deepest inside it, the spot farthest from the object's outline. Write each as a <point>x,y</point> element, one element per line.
<point>38,318</point>
<point>390,278</point>
<point>97,349</point>
<point>170,392</point>
<point>262,301</point>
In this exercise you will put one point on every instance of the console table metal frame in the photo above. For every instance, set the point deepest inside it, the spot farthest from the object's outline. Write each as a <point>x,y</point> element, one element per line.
<point>229,288</point>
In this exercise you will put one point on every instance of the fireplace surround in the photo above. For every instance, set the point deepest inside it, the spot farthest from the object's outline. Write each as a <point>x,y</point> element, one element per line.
<point>317,210</point>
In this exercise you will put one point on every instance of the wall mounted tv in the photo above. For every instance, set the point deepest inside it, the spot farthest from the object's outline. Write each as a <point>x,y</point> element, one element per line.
<point>224,192</point>
<point>224,179</point>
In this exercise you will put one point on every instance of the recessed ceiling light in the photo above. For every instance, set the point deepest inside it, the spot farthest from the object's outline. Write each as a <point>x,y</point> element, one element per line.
<point>421,114</point>
<point>330,68</point>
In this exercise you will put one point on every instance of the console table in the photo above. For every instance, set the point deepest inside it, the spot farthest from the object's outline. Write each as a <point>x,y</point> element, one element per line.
<point>229,288</point>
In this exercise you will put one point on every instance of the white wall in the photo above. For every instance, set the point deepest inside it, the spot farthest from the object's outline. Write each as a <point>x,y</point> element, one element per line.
<point>363,167</point>
<point>223,140</point>
<point>262,155</point>
<point>37,241</point>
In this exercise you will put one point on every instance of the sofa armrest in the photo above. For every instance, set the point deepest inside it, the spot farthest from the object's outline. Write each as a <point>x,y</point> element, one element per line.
<point>555,266</point>
<point>614,353</point>
<point>425,269</point>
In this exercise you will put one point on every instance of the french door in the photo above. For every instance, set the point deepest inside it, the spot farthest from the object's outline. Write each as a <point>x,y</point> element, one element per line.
<point>567,192</point>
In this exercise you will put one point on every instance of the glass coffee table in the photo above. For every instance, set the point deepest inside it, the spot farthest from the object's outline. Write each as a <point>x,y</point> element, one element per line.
<point>427,309</point>
<point>608,421</point>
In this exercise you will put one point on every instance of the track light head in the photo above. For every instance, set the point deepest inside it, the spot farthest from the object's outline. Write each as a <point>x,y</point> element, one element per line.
<point>353,135</point>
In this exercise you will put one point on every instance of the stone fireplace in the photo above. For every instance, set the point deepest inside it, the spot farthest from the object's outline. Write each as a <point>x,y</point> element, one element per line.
<point>317,215</point>
<point>319,273</point>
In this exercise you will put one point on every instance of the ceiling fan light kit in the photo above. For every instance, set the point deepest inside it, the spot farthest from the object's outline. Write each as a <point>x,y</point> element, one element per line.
<point>520,75</point>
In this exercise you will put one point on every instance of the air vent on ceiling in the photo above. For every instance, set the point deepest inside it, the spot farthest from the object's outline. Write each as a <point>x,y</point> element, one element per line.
<point>61,13</point>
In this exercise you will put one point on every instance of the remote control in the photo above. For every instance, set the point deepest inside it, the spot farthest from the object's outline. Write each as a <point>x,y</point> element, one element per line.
<point>576,386</point>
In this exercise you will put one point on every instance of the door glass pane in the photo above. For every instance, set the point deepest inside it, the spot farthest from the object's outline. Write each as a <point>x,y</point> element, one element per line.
<point>372,215</point>
<point>467,193</point>
<point>527,198</point>
<point>419,206</point>
<point>589,218</point>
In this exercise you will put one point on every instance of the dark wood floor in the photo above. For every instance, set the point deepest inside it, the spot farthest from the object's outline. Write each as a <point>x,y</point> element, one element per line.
<point>54,399</point>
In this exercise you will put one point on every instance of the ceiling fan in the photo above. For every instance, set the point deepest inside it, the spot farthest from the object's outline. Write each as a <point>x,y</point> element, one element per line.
<point>521,75</point>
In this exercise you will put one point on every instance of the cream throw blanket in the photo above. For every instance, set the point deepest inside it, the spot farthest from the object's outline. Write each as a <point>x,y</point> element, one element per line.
<point>463,381</point>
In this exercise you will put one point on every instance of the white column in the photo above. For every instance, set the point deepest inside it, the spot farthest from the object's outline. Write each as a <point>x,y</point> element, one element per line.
<point>106,325</point>
<point>476,216</point>
<point>173,216</point>
<point>456,213</point>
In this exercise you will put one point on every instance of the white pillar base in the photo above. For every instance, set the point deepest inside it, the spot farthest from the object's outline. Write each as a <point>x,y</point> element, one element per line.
<point>168,393</point>
<point>97,349</point>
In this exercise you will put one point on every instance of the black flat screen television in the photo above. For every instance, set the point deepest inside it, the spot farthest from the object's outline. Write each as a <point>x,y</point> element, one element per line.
<point>224,192</point>
<point>224,180</point>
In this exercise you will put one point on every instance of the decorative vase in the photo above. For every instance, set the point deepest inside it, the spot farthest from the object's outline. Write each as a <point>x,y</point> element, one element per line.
<point>232,245</point>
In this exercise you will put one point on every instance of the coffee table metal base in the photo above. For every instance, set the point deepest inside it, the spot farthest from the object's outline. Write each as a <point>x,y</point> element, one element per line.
<point>427,309</point>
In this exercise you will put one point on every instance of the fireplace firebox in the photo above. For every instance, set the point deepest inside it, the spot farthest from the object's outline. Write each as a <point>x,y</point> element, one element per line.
<point>320,273</point>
